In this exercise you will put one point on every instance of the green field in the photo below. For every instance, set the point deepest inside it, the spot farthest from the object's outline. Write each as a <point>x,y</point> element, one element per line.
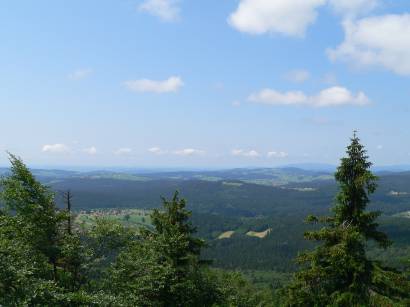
<point>127,217</point>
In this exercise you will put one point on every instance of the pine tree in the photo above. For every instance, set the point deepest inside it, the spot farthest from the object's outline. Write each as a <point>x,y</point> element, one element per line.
<point>338,272</point>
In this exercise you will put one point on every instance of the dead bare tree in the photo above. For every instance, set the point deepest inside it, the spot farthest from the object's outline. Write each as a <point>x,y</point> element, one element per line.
<point>67,199</point>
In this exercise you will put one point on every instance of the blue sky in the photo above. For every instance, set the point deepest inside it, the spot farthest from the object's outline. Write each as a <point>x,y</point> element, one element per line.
<point>218,83</point>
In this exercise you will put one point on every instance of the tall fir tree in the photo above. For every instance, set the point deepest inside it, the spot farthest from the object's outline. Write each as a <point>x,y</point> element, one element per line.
<point>338,272</point>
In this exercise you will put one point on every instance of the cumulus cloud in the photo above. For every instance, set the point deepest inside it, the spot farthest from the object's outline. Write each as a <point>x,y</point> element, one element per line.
<point>123,151</point>
<point>277,154</point>
<point>245,153</point>
<point>157,151</point>
<point>288,17</point>
<point>298,76</point>
<point>353,8</point>
<point>189,152</point>
<point>180,152</point>
<point>90,150</point>
<point>330,97</point>
<point>80,74</point>
<point>337,96</point>
<point>377,41</point>
<point>273,97</point>
<point>56,148</point>
<point>166,10</point>
<point>172,84</point>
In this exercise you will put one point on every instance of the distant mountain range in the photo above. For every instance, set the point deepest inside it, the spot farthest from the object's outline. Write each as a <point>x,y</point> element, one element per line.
<point>239,191</point>
<point>332,168</point>
<point>292,173</point>
<point>311,167</point>
<point>261,176</point>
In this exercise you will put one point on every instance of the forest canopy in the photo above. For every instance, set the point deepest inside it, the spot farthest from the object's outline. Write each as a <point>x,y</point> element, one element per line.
<point>46,259</point>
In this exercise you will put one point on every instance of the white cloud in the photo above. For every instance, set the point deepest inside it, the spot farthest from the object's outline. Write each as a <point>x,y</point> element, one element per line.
<point>338,96</point>
<point>80,74</point>
<point>277,154</point>
<point>123,151</point>
<point>244,153</point>
<point>298,76</point>
<point>189,152</point>
<point>157,151</point>
<point>288,17</point>
<point>332,96</point>
<point>172,84</point>
<point>56,148</point>
<point>166,10</point>
<point>90,150</point>
<point>273,97</point>
<point>353,8</point>
<point>379,147</point>
<point>377,41</point>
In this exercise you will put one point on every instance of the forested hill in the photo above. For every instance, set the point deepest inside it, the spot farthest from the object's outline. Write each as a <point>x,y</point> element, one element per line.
<point>268,176</point>
<point>223,204</point>
<point>228,196</point>
<point>236,192</point>
<point>238,200</point>
<point>252,220</point>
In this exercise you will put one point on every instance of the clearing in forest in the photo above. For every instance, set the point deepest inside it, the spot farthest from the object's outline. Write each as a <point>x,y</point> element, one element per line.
<point>260,235</point>
<point>226,234</point>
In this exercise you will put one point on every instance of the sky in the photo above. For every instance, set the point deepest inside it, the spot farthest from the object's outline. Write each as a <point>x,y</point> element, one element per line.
<point>216,83</point>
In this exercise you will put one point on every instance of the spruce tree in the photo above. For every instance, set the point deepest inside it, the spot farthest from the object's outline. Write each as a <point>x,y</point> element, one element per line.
<point>164,268</point>
<point>33,204</point>
<point>338,272</point>
<point>40,263</point>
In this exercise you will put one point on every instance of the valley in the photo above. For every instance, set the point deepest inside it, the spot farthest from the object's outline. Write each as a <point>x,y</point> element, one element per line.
<point>251,227</point>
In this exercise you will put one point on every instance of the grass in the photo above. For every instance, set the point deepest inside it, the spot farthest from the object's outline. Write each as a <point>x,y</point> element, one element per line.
<point>405,214</point>
<point>226,234</point>
<point>260,235</point>
<point>127,217</point>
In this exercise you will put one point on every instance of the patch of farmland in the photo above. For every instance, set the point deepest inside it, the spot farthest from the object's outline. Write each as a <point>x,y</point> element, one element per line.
<point>260,235</point>
<point>226,234</point>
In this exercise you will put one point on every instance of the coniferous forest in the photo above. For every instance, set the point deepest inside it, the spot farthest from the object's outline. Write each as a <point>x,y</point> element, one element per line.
<point>182,153</point>
<point>47,258</point>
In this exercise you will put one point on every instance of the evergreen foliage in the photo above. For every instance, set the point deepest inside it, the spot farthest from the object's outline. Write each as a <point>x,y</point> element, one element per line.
<point>338,272</point>
<point>41,264</point>
<point>163,268</point>
<point>46,260</point>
